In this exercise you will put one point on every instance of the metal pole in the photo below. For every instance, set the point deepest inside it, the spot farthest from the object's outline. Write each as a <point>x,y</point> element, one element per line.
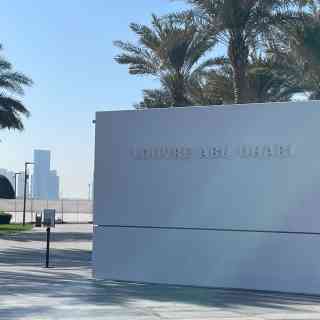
<point>48,247</point>
<point>25,193</point>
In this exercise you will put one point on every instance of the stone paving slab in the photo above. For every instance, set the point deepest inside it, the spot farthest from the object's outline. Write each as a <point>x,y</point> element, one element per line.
<point>68,291</point>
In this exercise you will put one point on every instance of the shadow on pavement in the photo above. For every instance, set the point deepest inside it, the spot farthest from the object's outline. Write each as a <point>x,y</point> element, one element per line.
<point>62,258</point>
<point>55,236</point>
<point>80,290</point>
<point>17,277</point>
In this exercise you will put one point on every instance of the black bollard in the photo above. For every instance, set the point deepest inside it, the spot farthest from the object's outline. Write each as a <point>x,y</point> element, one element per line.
<point>48,247</point>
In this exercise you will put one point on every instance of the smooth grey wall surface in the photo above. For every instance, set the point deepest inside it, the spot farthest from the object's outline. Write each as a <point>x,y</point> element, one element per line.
<point>256,261</point>
<point>248,222</point>
<point>257,194</point>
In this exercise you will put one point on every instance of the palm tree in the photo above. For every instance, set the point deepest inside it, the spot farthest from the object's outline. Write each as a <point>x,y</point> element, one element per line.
<point>172,51</point>
<point>218,83</point>
<point>199,93</point>
<point>269,80</point>
<point>155,98</point>
<point>12,84</point>
<point>303,46</point>
<point>272,80</point>
<point>298,47</point>
<point>242,25</point>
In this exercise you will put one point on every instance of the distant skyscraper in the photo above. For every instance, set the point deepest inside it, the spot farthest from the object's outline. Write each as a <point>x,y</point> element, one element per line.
<point>53,186</point>
<point>20,186</point>
<point>41,171</point>
<point>45,182</point>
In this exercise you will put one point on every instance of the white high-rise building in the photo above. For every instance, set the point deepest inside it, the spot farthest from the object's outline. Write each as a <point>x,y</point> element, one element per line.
<point>41,171</point>
<point>20,186</point>
<point>45,182</point>
<point>53,187</point>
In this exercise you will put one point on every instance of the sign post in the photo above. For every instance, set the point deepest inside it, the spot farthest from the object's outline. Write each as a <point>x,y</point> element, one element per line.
<point>48,221</point>
<point>48,248</point>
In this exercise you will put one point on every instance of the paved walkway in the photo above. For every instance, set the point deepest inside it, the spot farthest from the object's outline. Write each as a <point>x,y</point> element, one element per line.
<point>67,291</point>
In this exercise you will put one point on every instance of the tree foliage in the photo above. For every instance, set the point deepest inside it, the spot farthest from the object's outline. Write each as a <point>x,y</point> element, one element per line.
<point>171,50</point>
<point>300,47</point>
<point>12,84</point>
<point>272,52</point>
<point>244,25</point>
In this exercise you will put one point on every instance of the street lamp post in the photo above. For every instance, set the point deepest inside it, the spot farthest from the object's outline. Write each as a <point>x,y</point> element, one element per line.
<point>25,190</point>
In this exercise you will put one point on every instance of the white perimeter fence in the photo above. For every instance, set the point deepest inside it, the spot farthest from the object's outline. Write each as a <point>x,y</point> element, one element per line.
<point>67,210</point>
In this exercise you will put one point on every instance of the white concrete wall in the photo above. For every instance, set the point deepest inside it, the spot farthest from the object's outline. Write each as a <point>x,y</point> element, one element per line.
<point>243,260</point>
<point>236,220</point>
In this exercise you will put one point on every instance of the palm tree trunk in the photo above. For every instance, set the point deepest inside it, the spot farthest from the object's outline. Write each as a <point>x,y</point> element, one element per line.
<point>239,84</point>
<point>238,54</point>
<point>179,91</point>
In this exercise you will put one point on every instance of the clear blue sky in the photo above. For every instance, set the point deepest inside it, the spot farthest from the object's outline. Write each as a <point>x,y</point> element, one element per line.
<point>66,48</point>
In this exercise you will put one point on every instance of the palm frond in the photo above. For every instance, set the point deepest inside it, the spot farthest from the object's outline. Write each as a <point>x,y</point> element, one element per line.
<point>155,98</point>
<point>12,83</point>
<point>170,49</point>
<point>10,113</point>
